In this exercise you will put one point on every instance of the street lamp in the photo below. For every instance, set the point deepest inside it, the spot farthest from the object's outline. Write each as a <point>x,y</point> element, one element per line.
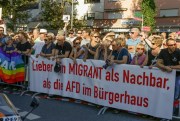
<point>72,12</point>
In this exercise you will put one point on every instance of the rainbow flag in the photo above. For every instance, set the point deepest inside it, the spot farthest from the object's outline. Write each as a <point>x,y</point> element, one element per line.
<point>12,67</point>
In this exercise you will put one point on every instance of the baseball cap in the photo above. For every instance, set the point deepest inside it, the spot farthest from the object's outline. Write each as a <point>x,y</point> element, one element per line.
<point>43,30</point>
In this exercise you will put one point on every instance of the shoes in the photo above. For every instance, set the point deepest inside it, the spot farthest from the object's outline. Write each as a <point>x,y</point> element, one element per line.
<point>176,111</point>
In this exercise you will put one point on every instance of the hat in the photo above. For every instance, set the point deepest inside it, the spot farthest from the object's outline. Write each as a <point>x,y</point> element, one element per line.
<point>43,30</point>
<point>61,33</point>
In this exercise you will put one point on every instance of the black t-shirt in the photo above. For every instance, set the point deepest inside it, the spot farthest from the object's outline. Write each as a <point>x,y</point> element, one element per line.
<point>170,59</point>
<point>63,48</point>
<point>48,50</point>
<point>24,47</point>
<point>151,59</point>
<point>91,56</point>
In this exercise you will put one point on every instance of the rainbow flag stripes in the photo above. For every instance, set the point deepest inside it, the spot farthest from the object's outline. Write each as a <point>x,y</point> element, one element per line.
<point>12,67</point>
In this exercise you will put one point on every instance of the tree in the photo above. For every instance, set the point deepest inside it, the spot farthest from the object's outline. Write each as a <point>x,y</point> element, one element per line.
<point>15,12</point>
<point>53,14</point>
<point>149,13</point>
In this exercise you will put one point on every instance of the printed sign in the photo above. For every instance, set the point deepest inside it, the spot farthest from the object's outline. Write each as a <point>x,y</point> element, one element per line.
<point>147,91</point>
<point>66,18</point>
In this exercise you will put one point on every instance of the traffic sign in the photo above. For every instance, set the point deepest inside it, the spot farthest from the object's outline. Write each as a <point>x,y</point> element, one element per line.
<point>66,18</point>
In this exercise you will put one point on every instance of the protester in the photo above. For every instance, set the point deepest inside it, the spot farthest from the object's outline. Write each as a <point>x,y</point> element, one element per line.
<point>119,54</point>
<point>103,52</point>
<point>77,51</point>
<point>168,60</point>
<point>86,36</point>
<point>48,50</point>
<point>62,48</point>
<point>79,33</point>
<point>93,45</point>
<point>133,41</point>
<point>152,54</point>
<point>140,55</point>
<point>39,36</point>
<point>23,47</point>
<point>70,37</point>
<point>2,37</point>
<point>9,47</point>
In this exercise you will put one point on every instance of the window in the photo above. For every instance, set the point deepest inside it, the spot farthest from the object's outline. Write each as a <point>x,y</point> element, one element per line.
<point>168,12</point>
<point>114,15</point>
<point>90,16</point>
<point>91,1</point>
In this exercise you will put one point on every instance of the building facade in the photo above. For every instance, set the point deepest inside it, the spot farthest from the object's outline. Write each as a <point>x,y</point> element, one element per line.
<point>168,15</point>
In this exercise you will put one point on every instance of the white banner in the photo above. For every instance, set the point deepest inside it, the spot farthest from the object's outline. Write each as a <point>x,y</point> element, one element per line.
<point>127,87</point>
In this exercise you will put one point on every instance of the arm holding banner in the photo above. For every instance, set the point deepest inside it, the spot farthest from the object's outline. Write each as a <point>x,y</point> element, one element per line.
<point>162,66</point>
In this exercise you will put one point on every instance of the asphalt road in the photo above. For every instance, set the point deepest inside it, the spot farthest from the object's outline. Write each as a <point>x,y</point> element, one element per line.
<point>63,109</point>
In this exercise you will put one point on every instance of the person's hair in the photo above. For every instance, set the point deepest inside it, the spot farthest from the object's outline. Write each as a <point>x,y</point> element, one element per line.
<point>142,45</point>
<point>119,41</point>
<point>170,39</point>
<point>87,31</point>
<point>70,31</point>
<point>158,41</point>
<point>93,33</point>
<point>36,29</point>
<point>2,27</point>
<point>49,38</point>
<point>77,38</point>
<point>24,34</point>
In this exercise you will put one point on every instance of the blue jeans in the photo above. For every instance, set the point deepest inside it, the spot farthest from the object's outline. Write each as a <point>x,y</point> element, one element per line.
<point>176,96</point>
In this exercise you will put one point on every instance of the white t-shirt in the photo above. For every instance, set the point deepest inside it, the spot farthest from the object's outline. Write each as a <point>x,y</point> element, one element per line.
<point>84,42</point>
<point>38,47</point>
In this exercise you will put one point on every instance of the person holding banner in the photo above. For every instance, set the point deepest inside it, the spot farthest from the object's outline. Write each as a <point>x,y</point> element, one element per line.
<point>48,50</point>
<point>103,52</point>
<point>2,36</point>
<point>140,55</point>
<point>77,51</point>
<point>93,45</point>
<point>62,47</point>
<point>23,47</point>
<point>152,55</point>
<point>120,54</point>
<point>168,60</point>
<point>9,47</point>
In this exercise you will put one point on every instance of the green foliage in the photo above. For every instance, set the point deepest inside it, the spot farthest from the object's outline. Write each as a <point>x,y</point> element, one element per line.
<point>52,14</point>
<point>149,13</point>
<point>18,10</point>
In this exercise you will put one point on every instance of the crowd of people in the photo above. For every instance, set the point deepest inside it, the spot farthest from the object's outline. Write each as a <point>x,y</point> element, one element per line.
<point>135,48</point>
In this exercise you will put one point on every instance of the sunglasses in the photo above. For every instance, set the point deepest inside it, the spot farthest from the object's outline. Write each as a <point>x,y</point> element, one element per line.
<point>77,43</point>
<point>171,45</point>
<point>1,30</point>
<point>79,33</point>
<point>153,43</point>
<point>70,33</point>
<point>96,36</point>
<point>139,48</point>
<point>132,32</point>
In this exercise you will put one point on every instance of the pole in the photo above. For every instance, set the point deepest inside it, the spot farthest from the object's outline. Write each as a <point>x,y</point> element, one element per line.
<point>142,23</point>
<point>72,9</point>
